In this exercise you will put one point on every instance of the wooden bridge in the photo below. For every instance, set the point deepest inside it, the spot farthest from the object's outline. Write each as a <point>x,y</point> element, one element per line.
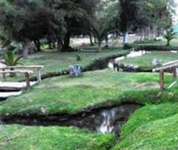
<point>14,87</point>
<point>169,66</point>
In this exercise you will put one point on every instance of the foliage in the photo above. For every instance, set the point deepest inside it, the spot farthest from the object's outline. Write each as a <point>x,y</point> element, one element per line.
<point>144,16</point>
<point>128,14</point>
<point>10,59</point>
<point>154,13</point>
<point>169,35</point>
<point>149,47</point>
<point>9,50</point>
<point>128,46</point>
<point>30,20</point>
<point>105,20</point>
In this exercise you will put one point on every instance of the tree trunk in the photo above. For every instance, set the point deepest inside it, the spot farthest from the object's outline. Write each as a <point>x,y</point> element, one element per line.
<point>125,38</point>
<point>25,49</point>
<point>91,41</point>
<point>38,45</point>
<point>59,45</point>
<point>106,41</point>
<point>99,45</point>
<point>53,42</point>
<point>146,33</point>
<point>141,35</point>
<point>149,32</point>
<point>66,46</point>
<point>49,42</point>
<point>95,40</point>
<point>154,32</point>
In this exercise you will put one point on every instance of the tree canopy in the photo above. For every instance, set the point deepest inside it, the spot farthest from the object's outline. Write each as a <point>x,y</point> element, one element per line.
<point>32,20</point>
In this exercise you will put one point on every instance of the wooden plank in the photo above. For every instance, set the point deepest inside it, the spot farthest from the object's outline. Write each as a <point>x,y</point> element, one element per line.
<point>161,80</point>
<point>16,71</point>
<point>25,67</point>
<point>27,79</point>
<point>15,84</point>
<point>37,68</point>
<point>165,67</point>
<point>174,75</point>
<point>170,62</point>
<point>9,94</point>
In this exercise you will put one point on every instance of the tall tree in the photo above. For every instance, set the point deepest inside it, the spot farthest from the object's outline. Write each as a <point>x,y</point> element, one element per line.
<point>128,13</point>
<point>25,20</point>
<point>153,16</point>
<point>104,20</point>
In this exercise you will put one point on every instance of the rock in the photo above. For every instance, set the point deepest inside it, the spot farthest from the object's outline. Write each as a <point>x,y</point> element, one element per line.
<point>156,62</point>
<point>74,70</point>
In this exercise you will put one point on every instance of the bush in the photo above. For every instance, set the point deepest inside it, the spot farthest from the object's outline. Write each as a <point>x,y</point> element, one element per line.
<point>156,47</point>
<point>128,46</point>
<point>169,35</point>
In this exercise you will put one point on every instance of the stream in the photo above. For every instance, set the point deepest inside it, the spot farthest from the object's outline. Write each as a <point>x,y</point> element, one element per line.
<point>103,120</point>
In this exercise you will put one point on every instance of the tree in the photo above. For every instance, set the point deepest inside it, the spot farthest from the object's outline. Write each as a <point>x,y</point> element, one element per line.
<point>19,20</point>
<point>71,19</point>
<point>77,19</point>
<point>148,16</point>
<point>128,14</point>
<point>31,20</point>
<point>169,35</point>
<point>104,20</point>
<point>153,17</point>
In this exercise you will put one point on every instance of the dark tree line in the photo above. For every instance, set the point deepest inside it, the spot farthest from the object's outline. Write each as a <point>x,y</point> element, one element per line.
<point>58,20</point>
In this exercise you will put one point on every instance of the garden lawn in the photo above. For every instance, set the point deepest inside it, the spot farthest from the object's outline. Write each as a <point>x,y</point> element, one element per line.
<point>71,95</point>
<point>146,59</point>
<point>153,127</point>
<point>17,137</point>
<point>56,61</point>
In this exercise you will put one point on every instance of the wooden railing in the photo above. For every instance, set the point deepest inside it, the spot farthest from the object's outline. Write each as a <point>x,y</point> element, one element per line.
<point>23,69</point>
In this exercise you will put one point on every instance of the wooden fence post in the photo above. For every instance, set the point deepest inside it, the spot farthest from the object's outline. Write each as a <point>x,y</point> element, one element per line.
<point>27,79</point>
<point>174,74</point>
<point>161,80</point>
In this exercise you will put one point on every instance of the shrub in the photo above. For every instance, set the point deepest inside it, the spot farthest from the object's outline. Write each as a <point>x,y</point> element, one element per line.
<point>169,35</point>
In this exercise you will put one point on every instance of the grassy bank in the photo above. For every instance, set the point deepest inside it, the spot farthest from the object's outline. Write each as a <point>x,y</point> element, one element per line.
<point>146,59</point>
<point>56,61</point>
<point>52,138</point>
<point>153,127</point>
<point>70,95</point>
<point>146,129</point>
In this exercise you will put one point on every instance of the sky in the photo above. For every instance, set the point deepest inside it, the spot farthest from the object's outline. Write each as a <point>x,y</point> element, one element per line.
<point>175,17</point>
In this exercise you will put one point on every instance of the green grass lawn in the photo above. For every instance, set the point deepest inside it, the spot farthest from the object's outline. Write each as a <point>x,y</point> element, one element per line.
<point>146,59</point>
<point>153,127</point>
<point>147,128</point>
<point>52,138</point>
<point>70,95</point>
<point>56,61</point>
